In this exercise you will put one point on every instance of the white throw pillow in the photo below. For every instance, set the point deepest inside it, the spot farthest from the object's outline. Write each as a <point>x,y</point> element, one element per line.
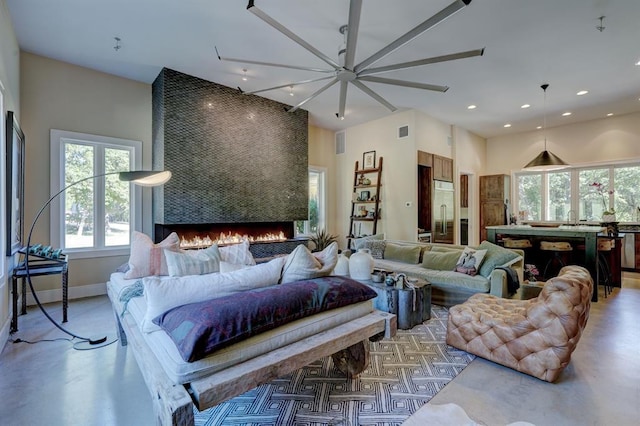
<point>238,254</point>
<point>162,294</point>
<point>301,264</point>
<point>146,258</point>
<point>229,267</point>
<point>193,262</point>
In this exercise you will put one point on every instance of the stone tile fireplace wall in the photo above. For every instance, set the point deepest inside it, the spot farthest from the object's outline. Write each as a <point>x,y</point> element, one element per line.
<point>235,158</point>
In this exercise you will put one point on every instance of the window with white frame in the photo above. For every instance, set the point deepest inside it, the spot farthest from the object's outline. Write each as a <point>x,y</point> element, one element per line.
<point>580,194</point>
<point>93,214</point>
<point>317,204</point>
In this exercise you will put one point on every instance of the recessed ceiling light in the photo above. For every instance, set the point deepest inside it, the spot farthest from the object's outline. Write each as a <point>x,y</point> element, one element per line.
<point>525,106</point>
<point>539,127</point>
<point>610,114</point>
<point>582,92</point>
<point>507,125</point>
<point>566,114</point>
<point>638,63</point>
<point>472,107</point>
<point>244,76</point>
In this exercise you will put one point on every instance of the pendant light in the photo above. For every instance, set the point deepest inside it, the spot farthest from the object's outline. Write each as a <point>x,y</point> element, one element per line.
<point>546,160</point>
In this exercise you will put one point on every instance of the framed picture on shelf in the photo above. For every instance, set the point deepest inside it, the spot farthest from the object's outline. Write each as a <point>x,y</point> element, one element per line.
<point>369,160</point>
<point>365,195</point>
<point>15,184</point>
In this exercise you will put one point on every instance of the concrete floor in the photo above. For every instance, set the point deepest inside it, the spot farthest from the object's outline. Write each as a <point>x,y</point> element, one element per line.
<point>50,383</point>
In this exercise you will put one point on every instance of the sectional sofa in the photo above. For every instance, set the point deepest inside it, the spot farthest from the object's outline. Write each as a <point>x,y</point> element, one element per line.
<point>436,263</point>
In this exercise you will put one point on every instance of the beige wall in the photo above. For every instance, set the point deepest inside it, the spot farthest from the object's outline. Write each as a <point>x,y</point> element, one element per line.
<point>605,140</point>
<point>426,133</point>
<point>58,95</point>
<point>469,153</point>
<point>399,182</point>
<point>10,88</point>
<point>322,154</point>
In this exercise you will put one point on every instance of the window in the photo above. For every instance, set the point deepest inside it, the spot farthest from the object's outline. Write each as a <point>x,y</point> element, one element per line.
<point>569,195</point>
<point>96,214</point>
<point>3,185</point>
<point>317,204</point>
<point>529,196</point>
<point>558,195</point>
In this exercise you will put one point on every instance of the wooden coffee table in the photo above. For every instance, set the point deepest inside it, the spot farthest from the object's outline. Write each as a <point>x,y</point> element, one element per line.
<point>412,306</point>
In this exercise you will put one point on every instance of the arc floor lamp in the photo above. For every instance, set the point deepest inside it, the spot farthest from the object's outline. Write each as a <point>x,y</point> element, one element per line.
<point>139,177</point>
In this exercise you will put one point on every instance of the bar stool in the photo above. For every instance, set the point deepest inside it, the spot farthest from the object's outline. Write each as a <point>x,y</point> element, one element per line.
<point>605,278</point>
<point>560,254</point>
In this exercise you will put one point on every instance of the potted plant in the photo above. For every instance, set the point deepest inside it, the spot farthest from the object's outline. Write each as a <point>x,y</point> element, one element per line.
<point>608,214</point>
<point>321,239</point>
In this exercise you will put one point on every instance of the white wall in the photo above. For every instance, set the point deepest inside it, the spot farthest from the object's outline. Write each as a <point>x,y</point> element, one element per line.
<point>58,95</point>
<point>10,87</point>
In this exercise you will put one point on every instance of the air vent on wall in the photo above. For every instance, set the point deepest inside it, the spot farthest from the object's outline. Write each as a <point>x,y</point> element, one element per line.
<point>340,142</point>
<point>403,132</point>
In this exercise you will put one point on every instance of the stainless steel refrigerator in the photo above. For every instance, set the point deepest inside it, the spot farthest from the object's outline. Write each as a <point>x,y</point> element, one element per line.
<point>442,212</point>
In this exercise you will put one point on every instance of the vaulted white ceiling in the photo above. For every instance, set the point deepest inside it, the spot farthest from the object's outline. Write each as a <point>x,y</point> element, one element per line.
<point>528,42</point>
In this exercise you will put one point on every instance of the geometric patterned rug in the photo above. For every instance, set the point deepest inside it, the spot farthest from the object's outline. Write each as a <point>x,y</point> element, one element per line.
<point>403,374</point>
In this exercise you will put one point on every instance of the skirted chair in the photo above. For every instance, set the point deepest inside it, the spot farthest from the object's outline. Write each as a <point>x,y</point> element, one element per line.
<point>535,336</point>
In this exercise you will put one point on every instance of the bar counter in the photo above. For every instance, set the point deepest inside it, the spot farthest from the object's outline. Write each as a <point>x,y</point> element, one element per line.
<point>587,234</point>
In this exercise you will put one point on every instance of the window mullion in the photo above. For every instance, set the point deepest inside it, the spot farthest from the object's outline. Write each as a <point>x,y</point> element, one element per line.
<point>99,198</point>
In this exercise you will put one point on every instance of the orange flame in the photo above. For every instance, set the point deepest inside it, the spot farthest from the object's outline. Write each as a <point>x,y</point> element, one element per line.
<point>200,242</point>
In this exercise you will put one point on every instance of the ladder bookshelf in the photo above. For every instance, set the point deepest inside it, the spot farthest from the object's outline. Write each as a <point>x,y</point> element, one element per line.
<point>365,201</point>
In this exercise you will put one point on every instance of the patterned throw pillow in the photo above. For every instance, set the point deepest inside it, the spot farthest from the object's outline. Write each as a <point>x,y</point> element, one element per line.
<point>146,258</point>
<point>470,261</point>
<point>193,262</point>
<point>359,243</point>
<point>238,254</point>
<point>376,248</point>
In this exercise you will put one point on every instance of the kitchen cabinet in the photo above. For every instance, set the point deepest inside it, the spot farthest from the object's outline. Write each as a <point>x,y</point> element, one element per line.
<point>494,197</point>
<point>442,168</point>
<point>464,191</point>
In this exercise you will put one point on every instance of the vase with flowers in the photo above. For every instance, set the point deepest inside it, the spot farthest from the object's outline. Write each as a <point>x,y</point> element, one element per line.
<point>531,272</point>
<point>608,213</point>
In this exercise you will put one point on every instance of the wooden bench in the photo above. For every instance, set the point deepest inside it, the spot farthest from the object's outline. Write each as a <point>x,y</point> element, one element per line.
<point>173,403</point>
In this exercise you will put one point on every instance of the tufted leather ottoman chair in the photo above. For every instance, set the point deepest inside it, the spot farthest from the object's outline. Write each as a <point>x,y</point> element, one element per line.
<point>535,336</point>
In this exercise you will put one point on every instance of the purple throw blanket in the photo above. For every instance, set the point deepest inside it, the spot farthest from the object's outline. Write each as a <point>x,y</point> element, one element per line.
<point>199,329</point>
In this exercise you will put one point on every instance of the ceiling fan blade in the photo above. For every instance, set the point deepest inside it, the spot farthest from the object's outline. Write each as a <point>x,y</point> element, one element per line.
<point>404,83</point>
<point>287,85</point>
<point>429,23</point>
<point>269,64</point>
<point>374,95</point>
<point>355,10</point>
<point>343,99</point>
<point>278,26</point>
<point>426,61</point>
<point>322,89</point>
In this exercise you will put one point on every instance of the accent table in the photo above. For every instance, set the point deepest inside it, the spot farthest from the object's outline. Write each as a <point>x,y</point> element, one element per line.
<point>37,267</point>
<point>412,306</point>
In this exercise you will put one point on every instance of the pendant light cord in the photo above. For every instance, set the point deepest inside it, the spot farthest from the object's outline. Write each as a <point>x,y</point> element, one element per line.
<point>544,87</point>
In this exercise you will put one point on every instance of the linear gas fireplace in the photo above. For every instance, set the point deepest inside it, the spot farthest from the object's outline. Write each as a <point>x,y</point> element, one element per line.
<point>267,238</point>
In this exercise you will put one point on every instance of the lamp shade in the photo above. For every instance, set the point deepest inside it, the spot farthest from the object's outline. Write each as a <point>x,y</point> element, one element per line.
<point>145,177</point>
<point>546,160</point>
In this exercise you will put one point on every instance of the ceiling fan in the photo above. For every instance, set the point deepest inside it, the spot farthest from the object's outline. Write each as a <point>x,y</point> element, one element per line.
<point>345,71</point>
